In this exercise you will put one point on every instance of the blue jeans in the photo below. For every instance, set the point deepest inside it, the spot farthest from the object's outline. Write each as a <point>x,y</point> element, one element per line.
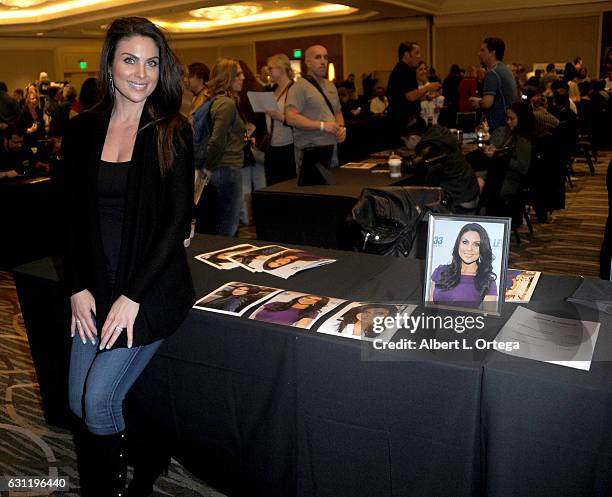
<point>253,178</point>
<point>226,187</point>
<point>99,382</point>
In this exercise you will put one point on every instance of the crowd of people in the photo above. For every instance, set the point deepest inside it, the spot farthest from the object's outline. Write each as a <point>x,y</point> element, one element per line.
<point>131,142</point>
<point>238,150</point>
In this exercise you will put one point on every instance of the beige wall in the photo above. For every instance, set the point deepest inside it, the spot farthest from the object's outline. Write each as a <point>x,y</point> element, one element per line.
<point>207,55</point>
<point>364,53</point>
<point>527,42</point>
<point>20,67</point>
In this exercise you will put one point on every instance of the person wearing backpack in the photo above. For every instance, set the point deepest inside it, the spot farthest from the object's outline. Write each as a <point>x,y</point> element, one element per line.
<point>222,136</point>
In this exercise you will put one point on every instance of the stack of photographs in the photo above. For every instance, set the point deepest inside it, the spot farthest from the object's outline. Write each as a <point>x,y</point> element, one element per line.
<point>273,259</point>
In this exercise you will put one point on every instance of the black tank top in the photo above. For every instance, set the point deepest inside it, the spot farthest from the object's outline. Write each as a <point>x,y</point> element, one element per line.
<point>112,186</point>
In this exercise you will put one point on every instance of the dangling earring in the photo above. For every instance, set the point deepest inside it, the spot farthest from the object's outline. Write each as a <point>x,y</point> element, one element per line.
<point>111,83</point>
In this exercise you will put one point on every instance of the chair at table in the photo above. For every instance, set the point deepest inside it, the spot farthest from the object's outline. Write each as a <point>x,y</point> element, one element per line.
<point>605,254</point>
<point>390,220</point>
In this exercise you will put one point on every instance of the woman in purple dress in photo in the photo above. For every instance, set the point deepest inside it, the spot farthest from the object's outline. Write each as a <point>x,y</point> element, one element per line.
<point>469,280</point>
<point>300,311</point>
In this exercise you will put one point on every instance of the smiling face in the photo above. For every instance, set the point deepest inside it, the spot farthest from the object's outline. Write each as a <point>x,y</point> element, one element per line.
<point>240,290</point>
<point>282,261</point>
<point>469,247</point>
<point>135,69</point>
<point>309,300</point>
<point>422,74</point>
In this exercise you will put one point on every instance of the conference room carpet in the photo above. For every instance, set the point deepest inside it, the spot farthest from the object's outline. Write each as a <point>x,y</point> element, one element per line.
<point>569,244</point>
<point>30,447</point>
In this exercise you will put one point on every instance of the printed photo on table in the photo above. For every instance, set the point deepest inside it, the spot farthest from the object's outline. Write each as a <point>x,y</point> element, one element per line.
<point>220,258</point>
<point>297,309</point>
<point>467,258</point>
<point>290,262</point>
<point>253,259</point>
<point>365,320</point>
<point>520,285</point>
<point>235,298</point>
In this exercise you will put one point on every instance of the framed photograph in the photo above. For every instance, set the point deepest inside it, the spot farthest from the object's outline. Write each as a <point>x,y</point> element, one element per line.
<point>467,260</point>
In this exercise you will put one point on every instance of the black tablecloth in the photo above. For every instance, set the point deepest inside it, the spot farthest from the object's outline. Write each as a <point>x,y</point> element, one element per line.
<point>313,215</point>
<point>28,219</point>
<point>264,409</point>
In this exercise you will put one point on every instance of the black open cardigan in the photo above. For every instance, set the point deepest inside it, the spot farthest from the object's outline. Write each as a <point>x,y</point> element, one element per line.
<point>152,267</point>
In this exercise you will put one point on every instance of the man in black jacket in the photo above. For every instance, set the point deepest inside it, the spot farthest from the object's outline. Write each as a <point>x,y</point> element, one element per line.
<point>439,162</point>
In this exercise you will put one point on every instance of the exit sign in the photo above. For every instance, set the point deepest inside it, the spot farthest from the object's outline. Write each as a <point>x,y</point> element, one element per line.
<point>83,64</point>
<point>297,53</point>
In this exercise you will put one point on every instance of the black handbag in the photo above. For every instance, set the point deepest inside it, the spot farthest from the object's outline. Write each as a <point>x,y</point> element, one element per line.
<point>385,221</point>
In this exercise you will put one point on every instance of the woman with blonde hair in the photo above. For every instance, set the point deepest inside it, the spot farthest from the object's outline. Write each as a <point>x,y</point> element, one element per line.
<point>225,153</point>
<point>280,159</point>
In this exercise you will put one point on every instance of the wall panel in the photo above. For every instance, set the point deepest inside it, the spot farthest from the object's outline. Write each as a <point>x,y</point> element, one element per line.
<point>527,42</point>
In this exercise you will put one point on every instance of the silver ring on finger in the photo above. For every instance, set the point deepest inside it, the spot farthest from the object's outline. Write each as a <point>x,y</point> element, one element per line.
<point>118,329</point>
<point>77,321</point>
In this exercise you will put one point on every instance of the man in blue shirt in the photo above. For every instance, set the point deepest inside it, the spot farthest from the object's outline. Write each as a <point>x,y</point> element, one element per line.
<point>499,90</point>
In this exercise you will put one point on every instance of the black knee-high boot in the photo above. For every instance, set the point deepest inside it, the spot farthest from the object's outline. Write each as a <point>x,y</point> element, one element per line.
<point>108,460</point>
<point>148,466</point>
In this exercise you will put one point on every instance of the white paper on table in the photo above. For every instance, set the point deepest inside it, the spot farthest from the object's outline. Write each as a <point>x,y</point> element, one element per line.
<point>566,342</point>
<point>262,101</point>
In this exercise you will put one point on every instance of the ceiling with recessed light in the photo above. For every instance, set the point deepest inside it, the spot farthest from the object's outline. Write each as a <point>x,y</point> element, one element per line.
<point>211,18</point>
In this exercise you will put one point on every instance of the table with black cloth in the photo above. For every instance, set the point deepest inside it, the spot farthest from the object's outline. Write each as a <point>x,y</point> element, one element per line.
<point>28,219</point>
<point>314,215</point>
<point>264,409</point>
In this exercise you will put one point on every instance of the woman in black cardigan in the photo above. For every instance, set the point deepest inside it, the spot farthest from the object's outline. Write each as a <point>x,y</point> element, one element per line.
<point>129,178</point>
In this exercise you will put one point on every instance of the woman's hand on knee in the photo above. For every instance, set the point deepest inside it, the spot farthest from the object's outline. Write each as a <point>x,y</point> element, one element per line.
<point>120,319</point>
<point>83,311</point>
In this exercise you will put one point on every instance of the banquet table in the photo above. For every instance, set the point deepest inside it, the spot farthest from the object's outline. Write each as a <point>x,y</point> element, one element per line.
<point>264,409</point>
<point>314,215</point>
<point>29,214</point>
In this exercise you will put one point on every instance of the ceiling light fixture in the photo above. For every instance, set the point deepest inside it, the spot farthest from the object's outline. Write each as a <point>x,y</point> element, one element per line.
<point>21,4</point>
<point>16,16</point>
<point>226,12</point>
<point>267,15</point>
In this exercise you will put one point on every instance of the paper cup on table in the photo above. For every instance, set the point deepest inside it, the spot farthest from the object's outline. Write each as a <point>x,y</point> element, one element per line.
<point>395,167</point>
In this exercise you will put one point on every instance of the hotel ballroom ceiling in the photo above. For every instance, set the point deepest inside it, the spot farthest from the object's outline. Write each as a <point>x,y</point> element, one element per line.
<point>189,18</point>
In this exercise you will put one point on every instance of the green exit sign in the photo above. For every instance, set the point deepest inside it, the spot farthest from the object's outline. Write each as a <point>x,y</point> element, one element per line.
<point>297,53</point>
<point>83,64</point>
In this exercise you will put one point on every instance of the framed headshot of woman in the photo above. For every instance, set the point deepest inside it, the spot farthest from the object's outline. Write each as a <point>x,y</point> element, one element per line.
<point>235,298</point>
<point>467,259</point>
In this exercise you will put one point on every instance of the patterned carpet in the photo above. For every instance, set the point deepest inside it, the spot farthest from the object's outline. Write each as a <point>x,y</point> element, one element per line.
<point>569,244</point>
<point>30,447</point>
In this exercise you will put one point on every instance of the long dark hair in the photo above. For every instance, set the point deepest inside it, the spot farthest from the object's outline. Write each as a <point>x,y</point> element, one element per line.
<point>312,309</point>
<point>89,94</point>
<point>451,274</point>
<point>524,114</point>
<point>350,317</point>
<point>251,290</point>
<point>164,103</point>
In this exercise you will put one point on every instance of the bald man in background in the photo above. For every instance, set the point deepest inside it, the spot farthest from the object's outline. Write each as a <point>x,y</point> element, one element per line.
<point>317,119</point>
